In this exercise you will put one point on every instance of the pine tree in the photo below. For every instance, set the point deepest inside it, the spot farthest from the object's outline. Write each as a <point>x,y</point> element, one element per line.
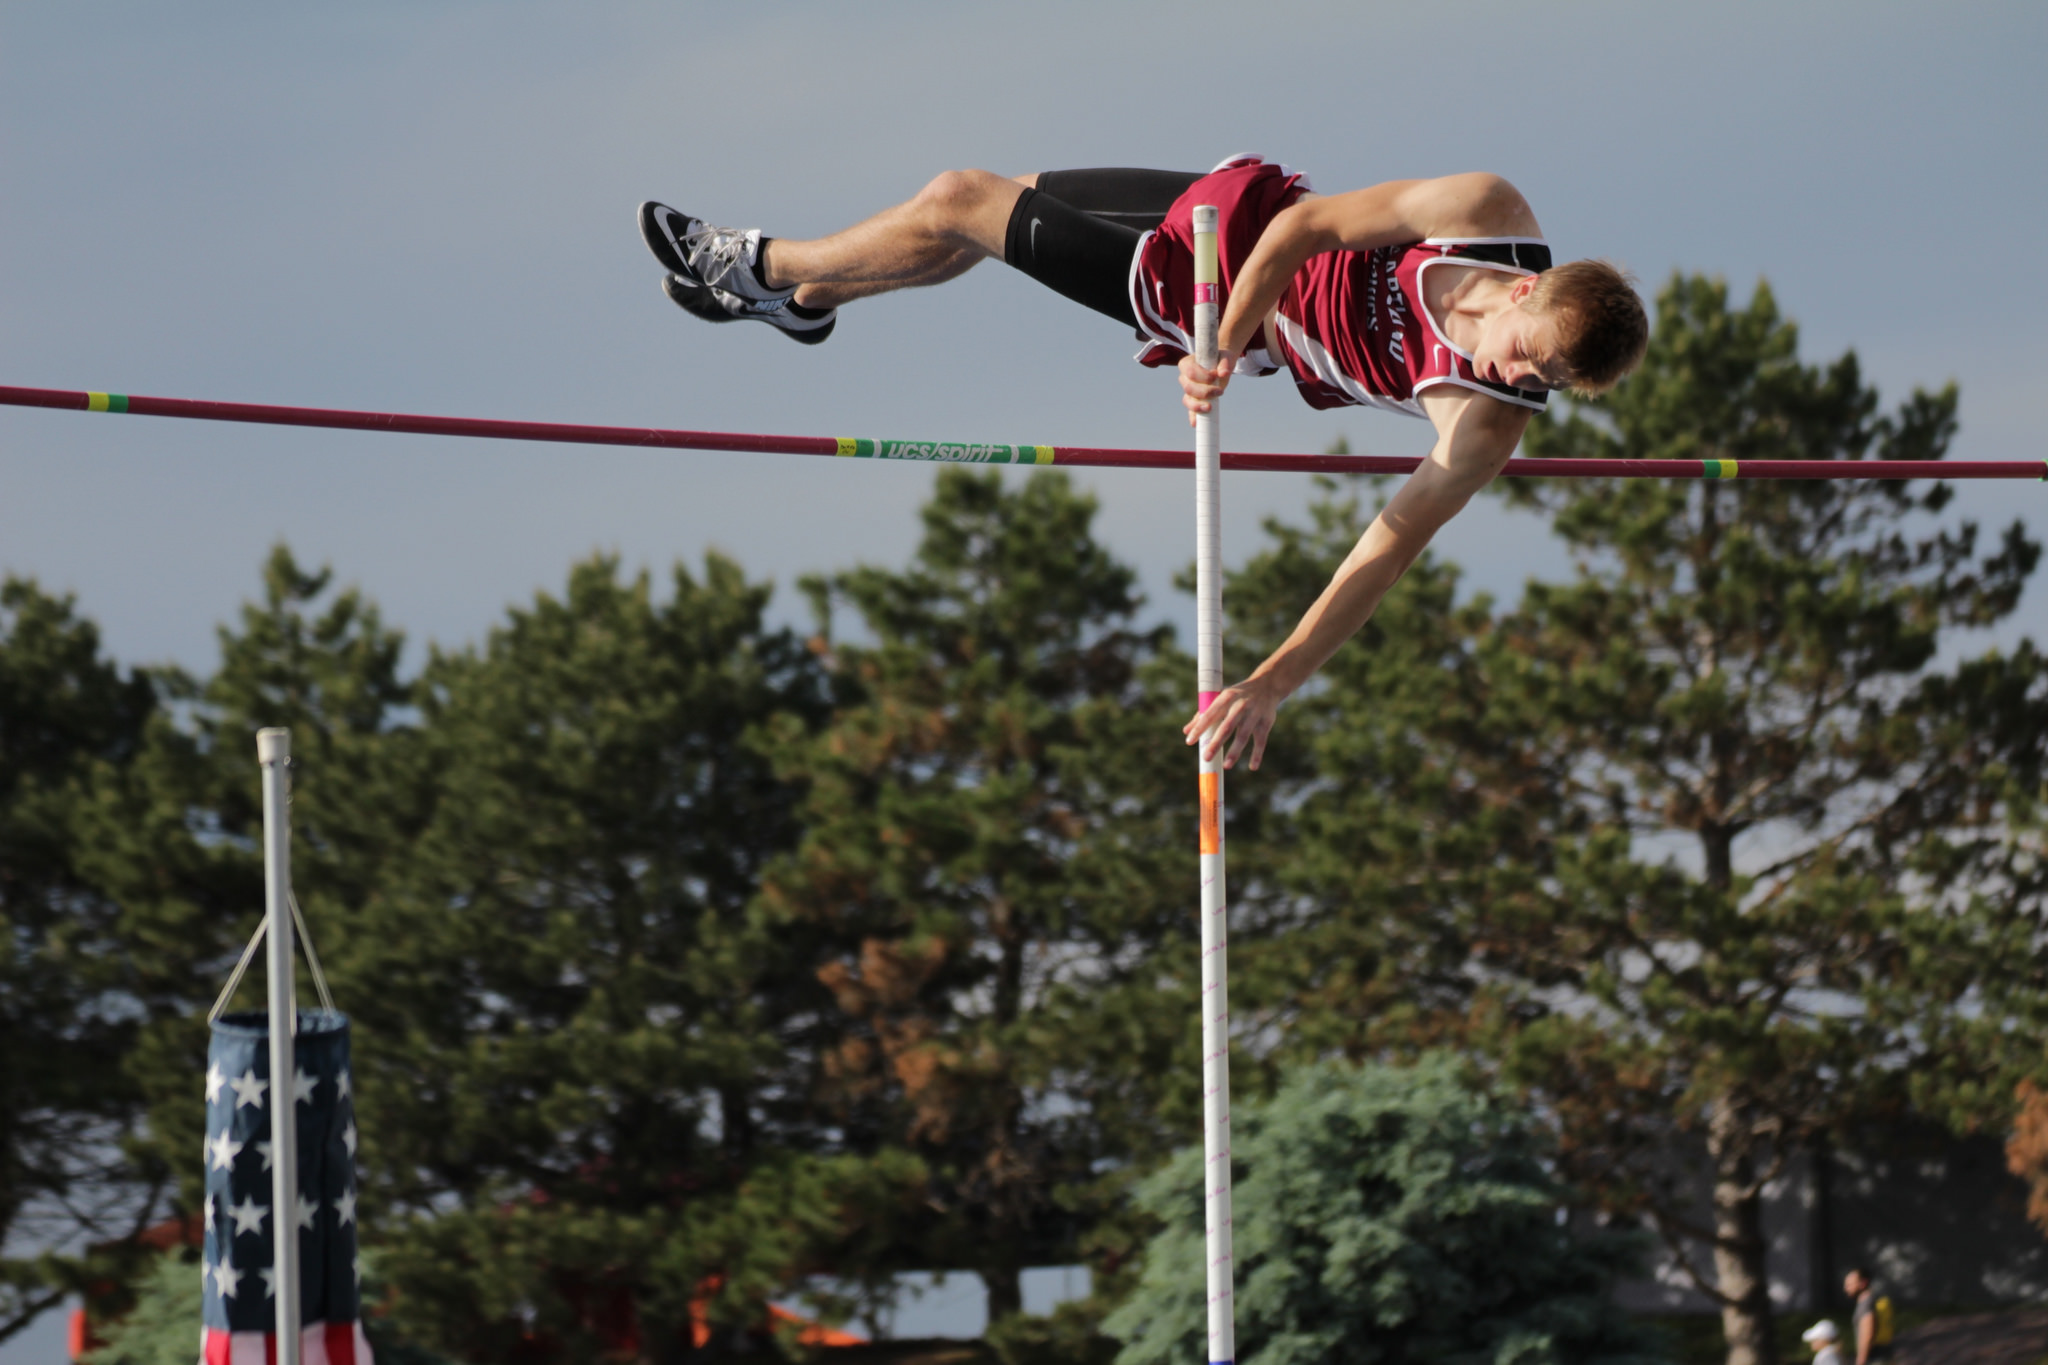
<point>1389,793</point>
<point>66,1104</point>
<point>587,1071</point>
<point>173,835</point>
<point>1749,673</point>
<point>1709,847</point>
<point>981,855</point>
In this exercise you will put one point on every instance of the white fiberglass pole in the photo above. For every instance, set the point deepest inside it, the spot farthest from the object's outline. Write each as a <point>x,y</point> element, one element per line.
<point>1215,907</point>
<point>274,752</point>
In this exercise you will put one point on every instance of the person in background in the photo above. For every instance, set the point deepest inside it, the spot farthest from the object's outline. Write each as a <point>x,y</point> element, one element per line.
<point>1822,1337</point>
<point>1870,1324</point>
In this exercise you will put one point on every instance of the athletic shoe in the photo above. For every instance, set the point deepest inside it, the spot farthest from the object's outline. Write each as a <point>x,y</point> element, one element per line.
<point>719,305</point>
<point>712,257</point>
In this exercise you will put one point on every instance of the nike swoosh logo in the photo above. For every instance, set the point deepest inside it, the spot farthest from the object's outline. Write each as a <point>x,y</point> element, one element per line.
<point>1034,237</point>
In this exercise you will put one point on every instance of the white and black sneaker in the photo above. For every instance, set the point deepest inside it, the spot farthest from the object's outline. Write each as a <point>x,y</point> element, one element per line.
<point>807,325</point>
<point>712,257</point>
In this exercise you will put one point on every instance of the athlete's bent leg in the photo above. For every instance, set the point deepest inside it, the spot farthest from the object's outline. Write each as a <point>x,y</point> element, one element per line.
<point>846,291</point>
<point>956,220</point>
<point>1081,249</point>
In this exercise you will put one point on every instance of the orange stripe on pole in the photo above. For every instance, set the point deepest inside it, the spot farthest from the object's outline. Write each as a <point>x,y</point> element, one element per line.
<point>1212,826</point>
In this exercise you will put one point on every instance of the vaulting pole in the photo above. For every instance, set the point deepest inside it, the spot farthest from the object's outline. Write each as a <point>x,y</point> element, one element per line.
<point>983,452</point>
<point>274,753</point>
<point>1215,907</point>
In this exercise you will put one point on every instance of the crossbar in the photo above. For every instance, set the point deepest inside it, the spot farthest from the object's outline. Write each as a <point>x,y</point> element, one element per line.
<point>980,452</point>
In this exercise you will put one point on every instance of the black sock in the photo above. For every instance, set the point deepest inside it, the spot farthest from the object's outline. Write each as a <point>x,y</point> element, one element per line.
<point>761,259</point>
<point>794,307</point>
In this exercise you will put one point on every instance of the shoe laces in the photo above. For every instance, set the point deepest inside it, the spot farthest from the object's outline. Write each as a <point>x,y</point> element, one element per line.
<point>715,252</point>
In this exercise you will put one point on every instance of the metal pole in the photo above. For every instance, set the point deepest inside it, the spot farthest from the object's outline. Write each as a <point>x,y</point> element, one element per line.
<point>274,752</point>
<point>1215,905</point>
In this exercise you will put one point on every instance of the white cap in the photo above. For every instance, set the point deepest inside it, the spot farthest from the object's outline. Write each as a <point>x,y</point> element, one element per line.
<point>1824,1330</point>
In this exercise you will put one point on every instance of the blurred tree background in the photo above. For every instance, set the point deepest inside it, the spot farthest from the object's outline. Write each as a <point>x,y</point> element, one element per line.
<point>698,964</point>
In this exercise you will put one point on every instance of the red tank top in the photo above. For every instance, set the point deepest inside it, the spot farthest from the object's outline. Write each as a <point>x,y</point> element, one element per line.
<point>1351,326</point>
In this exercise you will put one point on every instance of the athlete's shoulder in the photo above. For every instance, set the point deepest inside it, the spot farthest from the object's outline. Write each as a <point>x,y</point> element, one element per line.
<point>1474,204</point>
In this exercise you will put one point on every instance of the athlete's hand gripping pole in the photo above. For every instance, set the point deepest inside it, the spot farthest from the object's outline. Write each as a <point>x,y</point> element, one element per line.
<point>1215,914</point>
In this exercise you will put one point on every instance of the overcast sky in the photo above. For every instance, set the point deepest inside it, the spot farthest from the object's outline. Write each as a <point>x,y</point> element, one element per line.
<point>430,208</point>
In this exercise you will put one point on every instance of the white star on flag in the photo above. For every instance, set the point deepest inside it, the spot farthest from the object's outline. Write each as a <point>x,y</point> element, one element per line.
<point>209,1214</point>
<point>345,1207</point>
<point>248,1090</point>
<point>248,1215</point>
<point>205,1274</point>
<point>302,1086</point>
<point>348,1137</point>
<point>341,1086</point>
<point>228,1277</point>
<point>214,1081</point>
<point>224,1150</point>
<point>358,1264</point>
<point>264,1148</point>
<point>308,1210</point>
<point>269,1274</point>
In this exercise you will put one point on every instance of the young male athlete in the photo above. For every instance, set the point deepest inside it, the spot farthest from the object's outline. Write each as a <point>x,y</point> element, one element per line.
<point>1436,298</point>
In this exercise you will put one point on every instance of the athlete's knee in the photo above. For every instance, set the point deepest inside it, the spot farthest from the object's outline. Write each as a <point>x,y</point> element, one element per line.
<point>954,196</point>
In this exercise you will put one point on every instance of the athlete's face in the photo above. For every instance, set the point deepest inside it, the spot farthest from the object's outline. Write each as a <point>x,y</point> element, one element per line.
<point>1518,346</point>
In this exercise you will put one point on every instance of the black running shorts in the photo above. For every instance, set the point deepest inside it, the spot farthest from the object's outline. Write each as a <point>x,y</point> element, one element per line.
<point>1075,233</point>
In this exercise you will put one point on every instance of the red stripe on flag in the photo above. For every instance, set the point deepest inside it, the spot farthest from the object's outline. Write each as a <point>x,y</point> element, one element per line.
<point>323,1343</point>
<point>340,1341</point>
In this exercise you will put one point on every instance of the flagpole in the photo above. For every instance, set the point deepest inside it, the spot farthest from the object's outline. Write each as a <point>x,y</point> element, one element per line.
<point>1215,907</point>
<point>273,752</point>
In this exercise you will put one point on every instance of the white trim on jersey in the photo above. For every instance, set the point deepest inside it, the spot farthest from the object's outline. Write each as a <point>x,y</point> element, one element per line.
<point>1513,395</point>
<point>1486,241</point>
<point>1150,322</point>
<point>1323,366</point>
<point>1260,157</point>
<point>1422,305</point>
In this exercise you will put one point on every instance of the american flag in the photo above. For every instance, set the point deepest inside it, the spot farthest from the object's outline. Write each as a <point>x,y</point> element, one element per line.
<point>241,1304</point>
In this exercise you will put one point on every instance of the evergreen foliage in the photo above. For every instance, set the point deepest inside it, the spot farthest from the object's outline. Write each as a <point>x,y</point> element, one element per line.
<point>1384,1215</point>
<point>587,1093</point>
<point>160,1328</point>
<point>1708,848</point>
<point>1755,669</point>
<point>66,1108</point>
<point>992,951</point>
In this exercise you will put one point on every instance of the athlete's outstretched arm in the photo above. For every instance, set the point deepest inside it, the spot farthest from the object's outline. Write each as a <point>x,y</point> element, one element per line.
<point>1475,204</point>
<point>1475,436</point>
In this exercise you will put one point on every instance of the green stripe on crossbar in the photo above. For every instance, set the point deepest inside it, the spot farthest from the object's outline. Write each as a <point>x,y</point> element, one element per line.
<point>1717,469</point>
<point>942,452</point>
<point>106,402</point>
